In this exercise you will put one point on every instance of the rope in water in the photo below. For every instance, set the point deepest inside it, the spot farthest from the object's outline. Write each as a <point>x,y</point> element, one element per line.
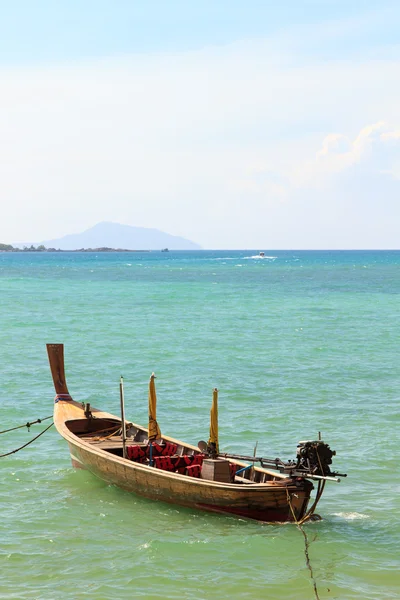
<point>27,443</point>
<point>28,424</point>
<point>307,517</point>
<point>306,542</point>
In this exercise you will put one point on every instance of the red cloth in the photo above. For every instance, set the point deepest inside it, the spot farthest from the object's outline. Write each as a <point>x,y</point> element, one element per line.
<point>169,449</point>
<point>193,471</point>
<point>198,459</point>
<point>188,460</point>
<point>157,449</point>
<point>182,461</point>
<point>136,453</point>
<point>189,464</point>
<point>185,465</point>
<point>232,468</point>
<point>164,462</point>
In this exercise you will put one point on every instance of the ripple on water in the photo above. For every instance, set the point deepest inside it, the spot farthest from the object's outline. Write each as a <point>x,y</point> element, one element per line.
<point>297,345</point>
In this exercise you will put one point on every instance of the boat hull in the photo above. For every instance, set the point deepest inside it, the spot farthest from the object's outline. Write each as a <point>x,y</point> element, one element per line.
<point>259,501</point>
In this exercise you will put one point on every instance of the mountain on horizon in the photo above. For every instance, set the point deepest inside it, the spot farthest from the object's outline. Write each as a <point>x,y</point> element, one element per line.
<point>126,237</point>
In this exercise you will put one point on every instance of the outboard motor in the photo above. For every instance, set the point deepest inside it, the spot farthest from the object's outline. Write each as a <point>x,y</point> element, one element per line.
<point>314,457</point>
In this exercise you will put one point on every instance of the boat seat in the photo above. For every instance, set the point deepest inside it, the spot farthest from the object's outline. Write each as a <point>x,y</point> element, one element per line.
<point>242,479</point>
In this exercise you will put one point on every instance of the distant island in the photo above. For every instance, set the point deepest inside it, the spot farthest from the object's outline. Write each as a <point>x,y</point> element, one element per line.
<point>41,248</point>
<point>114,235</point>
<point>108,237</point>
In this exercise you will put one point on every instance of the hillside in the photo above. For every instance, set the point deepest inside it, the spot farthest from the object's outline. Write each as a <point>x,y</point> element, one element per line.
<point>115,235</point>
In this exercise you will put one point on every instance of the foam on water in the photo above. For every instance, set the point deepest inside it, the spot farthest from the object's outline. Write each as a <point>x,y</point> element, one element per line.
<point>350,516</point>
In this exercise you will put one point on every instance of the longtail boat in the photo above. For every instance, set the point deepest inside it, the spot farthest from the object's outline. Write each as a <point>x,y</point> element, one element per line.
<point>142,461</point>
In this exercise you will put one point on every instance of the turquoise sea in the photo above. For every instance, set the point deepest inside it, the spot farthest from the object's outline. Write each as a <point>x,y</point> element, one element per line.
<point>297,343</point>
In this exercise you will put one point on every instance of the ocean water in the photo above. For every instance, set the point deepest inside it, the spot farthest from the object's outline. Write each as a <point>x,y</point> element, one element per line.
<point>297,343</point>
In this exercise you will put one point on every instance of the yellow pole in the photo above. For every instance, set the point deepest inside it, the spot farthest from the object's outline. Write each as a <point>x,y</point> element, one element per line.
<point>213,441</point>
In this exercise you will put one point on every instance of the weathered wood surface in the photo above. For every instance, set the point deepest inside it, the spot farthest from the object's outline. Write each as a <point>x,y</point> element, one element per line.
<point>107,444</point>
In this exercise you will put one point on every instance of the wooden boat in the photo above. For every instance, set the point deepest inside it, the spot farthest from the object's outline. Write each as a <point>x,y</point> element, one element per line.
<point>97,442</point>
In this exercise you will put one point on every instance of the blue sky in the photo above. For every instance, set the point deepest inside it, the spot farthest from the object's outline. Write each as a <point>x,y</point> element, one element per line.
<point>51,30</point>
<point>236,124</point>
<point>71,29</point>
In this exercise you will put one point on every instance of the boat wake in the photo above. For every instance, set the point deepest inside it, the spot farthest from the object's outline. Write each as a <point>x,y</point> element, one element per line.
<point>258,257</point>
<point>351,516</point>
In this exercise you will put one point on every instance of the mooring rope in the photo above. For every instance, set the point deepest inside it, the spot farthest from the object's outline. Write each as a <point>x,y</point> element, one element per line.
<point>311,511</point>
<point>28,424</point>
<point>115,431</point>
<point>101,438</point>
<point>27,443</point>
<point>306,542</point>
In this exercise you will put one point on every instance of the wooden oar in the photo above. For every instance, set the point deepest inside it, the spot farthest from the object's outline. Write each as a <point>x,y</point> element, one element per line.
<point>121,395</point>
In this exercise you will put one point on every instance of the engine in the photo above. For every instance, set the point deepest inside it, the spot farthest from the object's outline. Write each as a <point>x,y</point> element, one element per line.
<point>314,457</point>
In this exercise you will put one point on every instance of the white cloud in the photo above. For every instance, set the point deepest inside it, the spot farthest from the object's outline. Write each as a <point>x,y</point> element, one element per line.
<point>347,196</point>
<point>375,147</point>
<point>391,135</point>
<point>213,145</point>
<point>338,153</point>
